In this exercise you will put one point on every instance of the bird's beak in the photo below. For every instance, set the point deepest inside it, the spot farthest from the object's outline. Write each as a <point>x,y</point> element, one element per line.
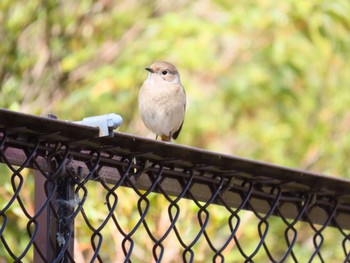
<point>150,70</point>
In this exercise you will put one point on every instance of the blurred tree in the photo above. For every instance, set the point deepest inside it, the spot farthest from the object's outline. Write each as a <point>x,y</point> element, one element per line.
<point>265,80</point>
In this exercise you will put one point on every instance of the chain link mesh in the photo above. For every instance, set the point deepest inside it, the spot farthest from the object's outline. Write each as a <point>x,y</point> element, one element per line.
<point>95,200</point>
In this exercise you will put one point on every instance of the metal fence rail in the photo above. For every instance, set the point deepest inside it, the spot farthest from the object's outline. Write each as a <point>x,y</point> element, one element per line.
<point>130,199</point>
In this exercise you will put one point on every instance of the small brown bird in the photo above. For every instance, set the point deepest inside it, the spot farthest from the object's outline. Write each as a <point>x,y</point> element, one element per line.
<point>162,101</point>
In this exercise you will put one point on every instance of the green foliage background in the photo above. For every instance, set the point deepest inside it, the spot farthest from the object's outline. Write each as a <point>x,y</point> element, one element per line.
<point>266,80</point>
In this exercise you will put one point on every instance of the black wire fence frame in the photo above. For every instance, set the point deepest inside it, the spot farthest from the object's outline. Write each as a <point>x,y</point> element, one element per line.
<point>67,156</point>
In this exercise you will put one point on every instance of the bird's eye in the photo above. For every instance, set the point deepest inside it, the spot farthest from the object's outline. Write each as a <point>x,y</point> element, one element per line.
<point>164,72</point>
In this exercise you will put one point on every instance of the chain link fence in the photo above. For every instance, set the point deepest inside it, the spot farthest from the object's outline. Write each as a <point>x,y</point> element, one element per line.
<point>68,195</point>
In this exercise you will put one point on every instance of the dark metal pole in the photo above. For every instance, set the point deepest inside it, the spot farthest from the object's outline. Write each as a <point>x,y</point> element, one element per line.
<point>55,237</point>
<point>66,203</point>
